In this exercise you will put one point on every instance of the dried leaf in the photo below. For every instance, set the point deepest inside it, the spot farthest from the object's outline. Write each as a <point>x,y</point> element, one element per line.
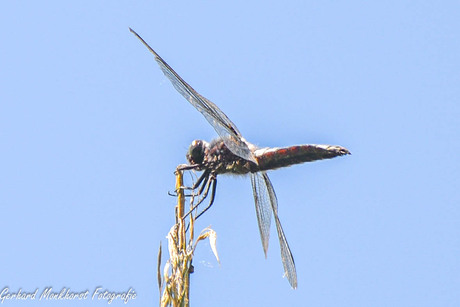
<point>213,242</point>
<point>160,285</point>
<point>212,235</point>
<point>166,271</point>
<point>172,242</point>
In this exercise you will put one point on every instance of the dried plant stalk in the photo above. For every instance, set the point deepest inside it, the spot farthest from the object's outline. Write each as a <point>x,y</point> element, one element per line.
<point>175,283</point>
<point>176,273</point>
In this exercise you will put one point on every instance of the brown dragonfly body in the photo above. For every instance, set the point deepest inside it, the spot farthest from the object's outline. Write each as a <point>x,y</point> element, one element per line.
<point>232,154</point>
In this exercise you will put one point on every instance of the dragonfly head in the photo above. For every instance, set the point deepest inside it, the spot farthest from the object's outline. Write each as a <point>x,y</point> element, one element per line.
<point>197,151</point>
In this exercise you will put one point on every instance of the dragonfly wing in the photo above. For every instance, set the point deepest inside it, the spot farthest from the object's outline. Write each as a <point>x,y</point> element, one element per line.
<point>263,209</point>
<point>265,187</point>
<point>221,123</point>
<point>224,127</point>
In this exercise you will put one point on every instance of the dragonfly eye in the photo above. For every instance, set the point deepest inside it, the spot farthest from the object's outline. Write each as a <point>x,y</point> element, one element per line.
<point>196,152</point>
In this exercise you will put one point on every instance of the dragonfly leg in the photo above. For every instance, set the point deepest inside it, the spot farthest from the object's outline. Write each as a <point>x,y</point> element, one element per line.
<point>174,194</point>
<point>213,194</point>
<point>186,167</point>
<point>206,182</point>
<point>203,176</point>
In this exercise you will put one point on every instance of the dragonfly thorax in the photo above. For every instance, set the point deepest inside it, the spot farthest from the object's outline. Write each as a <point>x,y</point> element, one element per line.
<point>217,158</point>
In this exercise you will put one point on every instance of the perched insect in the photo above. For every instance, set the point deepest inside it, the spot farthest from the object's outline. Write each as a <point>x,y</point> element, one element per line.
<point>231,153</point>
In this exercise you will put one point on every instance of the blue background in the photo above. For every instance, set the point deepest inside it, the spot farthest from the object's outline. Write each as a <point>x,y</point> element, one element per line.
<point>91,132</point>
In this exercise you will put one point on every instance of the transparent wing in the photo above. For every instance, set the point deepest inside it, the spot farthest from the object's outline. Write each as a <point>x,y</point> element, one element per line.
<point>263,208</point>
<point>266,202</point>
<point>221,123</point>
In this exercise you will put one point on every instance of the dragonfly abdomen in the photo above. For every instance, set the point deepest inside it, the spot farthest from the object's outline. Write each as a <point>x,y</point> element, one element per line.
<point>272,158</point>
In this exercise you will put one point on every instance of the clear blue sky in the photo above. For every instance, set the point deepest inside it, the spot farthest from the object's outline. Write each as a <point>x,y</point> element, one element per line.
<point>91,131</point>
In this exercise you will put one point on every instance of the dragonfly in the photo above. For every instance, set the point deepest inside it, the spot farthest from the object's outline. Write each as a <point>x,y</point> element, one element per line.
<point>230,153</point>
